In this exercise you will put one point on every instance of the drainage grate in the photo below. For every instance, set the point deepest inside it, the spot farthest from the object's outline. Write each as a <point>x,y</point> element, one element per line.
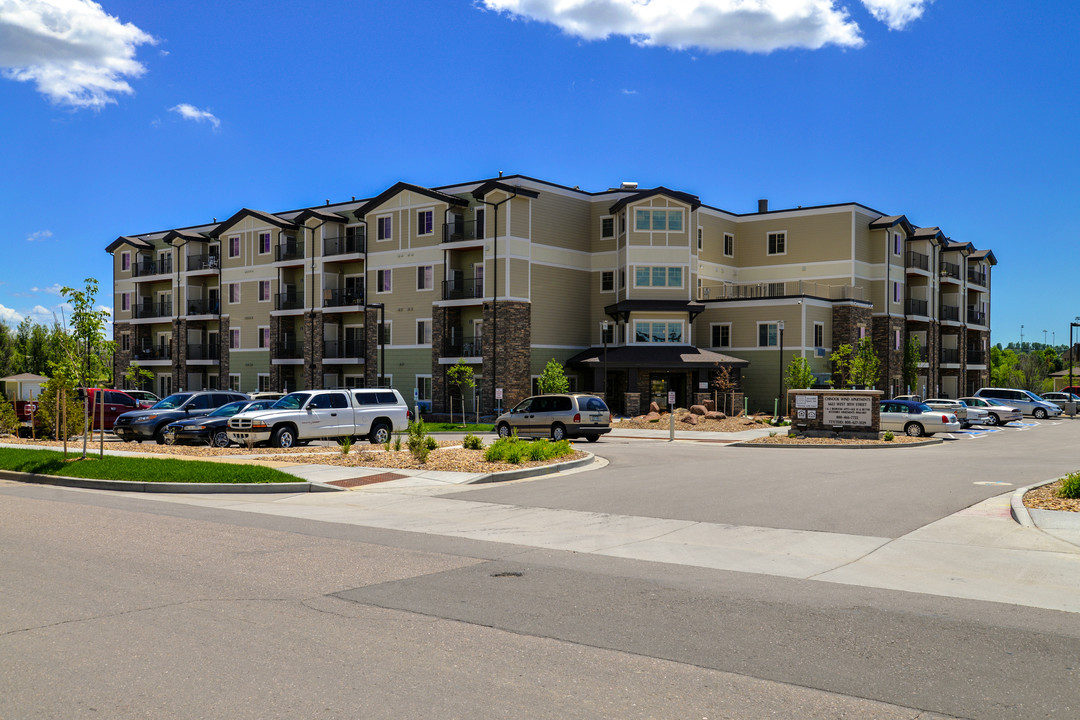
<point>367,480</point>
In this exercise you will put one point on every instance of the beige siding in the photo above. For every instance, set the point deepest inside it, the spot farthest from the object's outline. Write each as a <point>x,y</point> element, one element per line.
<point>560,298</point>
<point>562,222</point>
<point>810,238</point>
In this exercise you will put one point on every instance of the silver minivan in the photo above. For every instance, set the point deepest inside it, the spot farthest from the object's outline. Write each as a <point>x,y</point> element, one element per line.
<point>1025,401</point>
<point>558,417</point>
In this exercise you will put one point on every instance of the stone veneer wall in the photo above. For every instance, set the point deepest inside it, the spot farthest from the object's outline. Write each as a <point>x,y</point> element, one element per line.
<point>892,360</point>
<point>372,357</point>
<point>122,358</point>
<point>223,353</point>
<point>443,320</point>
<point>847,319</point>
<point>313,350</point>
<point>276,381</point>
<point>179,374</point>
<point>511,362</point>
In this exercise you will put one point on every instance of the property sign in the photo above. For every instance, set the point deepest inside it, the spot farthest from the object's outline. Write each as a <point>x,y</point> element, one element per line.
<point>498,393</point>
<point>854,411</point>
<point>806,401</point>
<point>703,386</point>
<point>671,397</point>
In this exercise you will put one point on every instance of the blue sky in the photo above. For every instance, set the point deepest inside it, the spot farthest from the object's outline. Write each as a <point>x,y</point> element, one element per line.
<point>127,117</point>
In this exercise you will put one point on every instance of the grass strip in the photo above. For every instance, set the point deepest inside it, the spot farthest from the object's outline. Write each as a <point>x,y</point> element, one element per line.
<point>111,467</point>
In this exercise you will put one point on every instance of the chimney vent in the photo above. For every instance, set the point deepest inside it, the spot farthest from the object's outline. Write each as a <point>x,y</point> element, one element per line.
<point>763,205</point>
<point>628,185</point>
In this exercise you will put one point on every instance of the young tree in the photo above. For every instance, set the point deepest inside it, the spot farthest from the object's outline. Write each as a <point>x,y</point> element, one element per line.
<point>912,352</point>
<point>460,376</point>
<point>841,364</point>
<point>724,386</point>
<point>799,375</point>
<point>865,364</point>
<point>553,379</point>
<point>88,331</point>
<point>136,376</point>
<point>9,420</point>
<point>1031,372</point>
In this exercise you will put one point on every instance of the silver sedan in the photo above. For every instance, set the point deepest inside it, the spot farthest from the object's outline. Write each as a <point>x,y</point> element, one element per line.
<point>915,418</point>
<point>995,414</point>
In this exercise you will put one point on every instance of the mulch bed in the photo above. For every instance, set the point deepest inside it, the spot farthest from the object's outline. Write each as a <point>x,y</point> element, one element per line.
<point>1045,498</point>
<point>785,440</point>
<point>731,424</point>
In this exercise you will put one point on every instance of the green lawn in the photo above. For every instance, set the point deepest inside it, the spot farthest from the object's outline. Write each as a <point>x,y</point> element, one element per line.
<point>458,427</point>
<point>49,462</point>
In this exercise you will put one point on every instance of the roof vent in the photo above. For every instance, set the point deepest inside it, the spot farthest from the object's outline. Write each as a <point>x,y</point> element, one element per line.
<point>626,185</point>
<point>763,205</point>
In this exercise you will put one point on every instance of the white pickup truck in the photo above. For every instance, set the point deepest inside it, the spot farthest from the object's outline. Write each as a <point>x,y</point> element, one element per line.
<point>307,415</point>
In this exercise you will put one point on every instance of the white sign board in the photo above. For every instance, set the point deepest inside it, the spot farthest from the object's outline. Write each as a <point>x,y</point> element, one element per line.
<point>806,401</point>
<point>498,393</point>
<point>671,397</point>
<point>703,386</point>
<point>840,410</point>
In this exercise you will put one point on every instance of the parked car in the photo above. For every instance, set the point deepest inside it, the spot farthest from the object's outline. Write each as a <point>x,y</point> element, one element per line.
<point>116,403</point>
<point>266,395</point>
<point>916,419</point>
<point>1060,398</point>
<point>1025,401</point>
<point>300,417</point>
<point>912,398</point>
<point>1074,389</point>
<point>997,414</point>
<point>967,416</point>
<point>211,429</point>
<point>557,416</point>
<point>145,398</point>
<point>150,424</point>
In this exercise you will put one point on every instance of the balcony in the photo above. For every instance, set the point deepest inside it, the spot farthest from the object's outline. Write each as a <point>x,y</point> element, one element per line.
<point>290,350</point>
<point>924,354</point>
<point>144,267</point>
<point>342,297</point>
<point>750,291</point>
<point>950,312</point>
<point>976,357</point>
<point>976,277</point>
<point>152,310</point>
<point>975,317</point>
<point>206,261</point>
<point>461,289</point>
<point>203,307</point>
<point>914,306</point>
<point>950,270</point>
<point>335,350</point>
<point>289,300</point>
<point>345,245</point>
<point>950,355</point>
<point>918,261</point>
<point>463,346</point>
<point>204,352</point>
<point>290,250</point>
<point>152,352</point>
<point>459,230</point>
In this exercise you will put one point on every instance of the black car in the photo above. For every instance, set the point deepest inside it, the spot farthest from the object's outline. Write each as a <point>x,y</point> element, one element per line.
<point>211,429</point>
<point>150,424</point>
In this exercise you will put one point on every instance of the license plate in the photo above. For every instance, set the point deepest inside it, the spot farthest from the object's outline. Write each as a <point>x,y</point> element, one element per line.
<point>595,418</point>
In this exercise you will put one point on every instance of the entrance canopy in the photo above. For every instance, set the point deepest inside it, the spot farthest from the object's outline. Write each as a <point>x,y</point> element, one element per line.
<point>661,356</point>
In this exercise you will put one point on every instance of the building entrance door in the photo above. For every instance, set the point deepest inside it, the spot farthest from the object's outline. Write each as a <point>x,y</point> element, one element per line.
<point>660,384</point>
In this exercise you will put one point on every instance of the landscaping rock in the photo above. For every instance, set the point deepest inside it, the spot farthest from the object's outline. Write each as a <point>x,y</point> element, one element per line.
<point>652,416</point>
<point>713,415</point>
<point>710,405</point>
<point>698,409</point>
<point>654,408</point>
<point>690,419</point>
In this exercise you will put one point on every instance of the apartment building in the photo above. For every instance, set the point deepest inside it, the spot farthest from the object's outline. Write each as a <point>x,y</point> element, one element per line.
<point>638,292</point>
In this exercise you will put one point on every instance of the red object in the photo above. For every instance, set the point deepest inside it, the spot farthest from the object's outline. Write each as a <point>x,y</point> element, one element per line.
<point>577,417</point>
<point>116,402</point>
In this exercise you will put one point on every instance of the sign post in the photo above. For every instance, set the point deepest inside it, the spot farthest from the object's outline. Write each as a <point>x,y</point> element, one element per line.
<point>671,415</point>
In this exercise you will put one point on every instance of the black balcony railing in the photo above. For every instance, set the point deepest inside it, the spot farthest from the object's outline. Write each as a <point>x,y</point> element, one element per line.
<point>152,309</point>
<point>342,297</point>
<point>153,352</point>
<point>976,277</point>
<point>143,267</point>
<point>202,306</point>
<point>950,312</point>
<point>976,357</point>
<point>334,349</point>
<point>914,306</point>
<point>290,250</point>
<point>949,269</point>
<point>205,261</point>
<point>290,350</point>
<point>975,317</point>
<point>950,355</point>
<point>463,346</point>
<point>918,260</point>
<point>203,352</point>
<point>457,230</point>
<point>463,288</point>
<point>345,245</point>
<point>289,300</point>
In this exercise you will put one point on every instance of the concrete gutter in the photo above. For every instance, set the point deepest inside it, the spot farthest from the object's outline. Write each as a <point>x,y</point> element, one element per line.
<point>167,487</point>
<point>1043,519</point>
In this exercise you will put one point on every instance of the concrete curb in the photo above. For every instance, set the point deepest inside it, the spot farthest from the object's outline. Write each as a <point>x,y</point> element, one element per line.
<point>923,443</point>
<point>506,475</point>
<point>1019,509</point>
<point>153,487</point>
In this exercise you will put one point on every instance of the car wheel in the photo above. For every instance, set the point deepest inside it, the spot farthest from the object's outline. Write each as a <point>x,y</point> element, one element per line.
<point>380,434</point>
<point>1039,414</point>
<point>170,439</point>
<point>914,429</point>
<point>221,439</point>
<point>558,432</point>
<point>283,437</point>
<point>993,419</point>
<point>592,438</point>
<point>504,430</point>
<point>159,436</point>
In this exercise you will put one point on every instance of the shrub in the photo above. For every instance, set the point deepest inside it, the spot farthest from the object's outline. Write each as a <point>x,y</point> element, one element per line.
<point>514,450</point>
<point>9,420</point>
<point>472,442</point>
<point>514,453</point>
<point>537,450</point>
<point>419,442</point>
<point>431,443</point>
<point>397,443</point>
<point>888,436</point>
<point>346,445</point>
<point>1070,486</point>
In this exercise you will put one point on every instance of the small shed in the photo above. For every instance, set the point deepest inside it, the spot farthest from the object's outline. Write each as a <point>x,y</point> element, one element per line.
<point>22,387</point>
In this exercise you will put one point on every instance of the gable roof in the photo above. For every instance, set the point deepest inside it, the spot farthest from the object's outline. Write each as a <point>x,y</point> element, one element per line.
<point>186,236</point>
<point>987,255</point>
<point>134,242</point>
<point>929,233</point>
<point>692,200</point>
<point>961,246</point>
<point>892,221</point>
<point>396,188</point>
<point>258,214</point>
<point>483,189</point>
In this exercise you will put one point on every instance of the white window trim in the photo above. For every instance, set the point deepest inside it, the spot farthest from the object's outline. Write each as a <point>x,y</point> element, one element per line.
<point>612,290</point>
<point>378,224</point>
<point>418,288</point>
<point>239,338</point>
<point>125,259</point>
<point>387,381</point>
<point>260,329</point>
<point>757,334</point>
<point>239,246</point>
<point>258,383</point>
<point>422,210</point>
<point>125,302</point>
<point>431,329</point>
<point>682,284</point>
<point>239,293</point>
<point>898,245</point>
<point>729,333</point>
<point>269,290</point>
<point>417,386</point>
<point>775,232</point>
<point>650,209</point>
<point>378,283</point>
<point>612,235</point>
<point>700,237</point>
<point>732,236</point>
<point>819,324</point>
<point>269,245</point>
<point>350,376</point>
<point>669,321</point>
<point>234,382</point>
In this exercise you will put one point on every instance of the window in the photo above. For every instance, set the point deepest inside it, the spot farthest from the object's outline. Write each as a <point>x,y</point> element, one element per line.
<point>125,301</point>
<point>264,337</point>
<point>607,227</point>
<point>384,227</point>
<point>658,220</point>
<point>657,276</point>
<point>622,278</point>
<point>234,292</point>
<point>125,342</point>
<point>480,222</point>
<point>896,292</point>
<point>721,335</point>
<point>263,382</point>
<point>423,332</point>
<point>423,387</point>
<point>896,336</point>
<point>382,281</point>
<point>234,381</point>
<point>264,290</point>
<point>819,334</point>
<point>125,261</point>
<point>767,335</point>
<point>264,243</point>
<point>234,338</point>
<point>777,243</point>
<point>425,222</point>
<point>896,244</point>
<point>729,245</point>
<point>234,246</point>
<point>622,223</point>
<point>384,333</point>
<point>658,332</point>
<point>607,281</point>
<point>424,277</point>
<point>699,239</point>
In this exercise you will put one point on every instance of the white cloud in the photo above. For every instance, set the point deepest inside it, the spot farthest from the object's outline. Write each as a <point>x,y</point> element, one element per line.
<point>74,52</point>
<point>39,236</point>
<point>53,289</point>
<point>10,316</point>
<point>43,315</point>
<point>629,92</point>
<point>713,25</point>
<point>190,112</point>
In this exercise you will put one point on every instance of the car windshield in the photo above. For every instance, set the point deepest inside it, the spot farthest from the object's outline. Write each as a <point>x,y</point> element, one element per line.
<point>229,409</point>
<point>292,401</point>
<point>1033,396</point>
<point>172,402</point>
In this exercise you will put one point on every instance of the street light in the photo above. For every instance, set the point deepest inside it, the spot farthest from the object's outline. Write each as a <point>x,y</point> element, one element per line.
<point>603,338</point>
<point>780,327</point>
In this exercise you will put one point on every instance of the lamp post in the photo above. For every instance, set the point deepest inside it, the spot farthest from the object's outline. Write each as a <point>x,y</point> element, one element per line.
<point>1021,338</point>
<point>603,338</point>
<point>780,327</point>
<point>1072,350</point>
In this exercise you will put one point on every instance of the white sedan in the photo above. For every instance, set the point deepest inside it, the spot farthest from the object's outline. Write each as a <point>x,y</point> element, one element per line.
<point>915,418</point>
<point>996,414</point>
<point>966,414</point>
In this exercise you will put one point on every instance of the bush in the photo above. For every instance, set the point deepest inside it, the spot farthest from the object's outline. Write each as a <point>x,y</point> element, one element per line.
<point>346,445</point>
<point>515,450</point>
<point>888,436</point>
<point>472,442</point>
<point>9,420</point>
<point>1070,487</point>
<point>431,443</point>
<point>420,444</point>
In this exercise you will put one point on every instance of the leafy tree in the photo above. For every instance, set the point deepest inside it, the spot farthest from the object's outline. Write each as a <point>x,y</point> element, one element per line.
<point>912,352</point>
<point>90,346</point>
<point>725,386</point>
<point>1003,367</point>
<point>1032,370</point>
<point>865,364</point>
<point>799,375</point>
<point>460,376</point>
<point>45,419</point>
<point>137,377</point>
<point>840,359</point>
<point>553,379</point>
<point>9,420</point>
